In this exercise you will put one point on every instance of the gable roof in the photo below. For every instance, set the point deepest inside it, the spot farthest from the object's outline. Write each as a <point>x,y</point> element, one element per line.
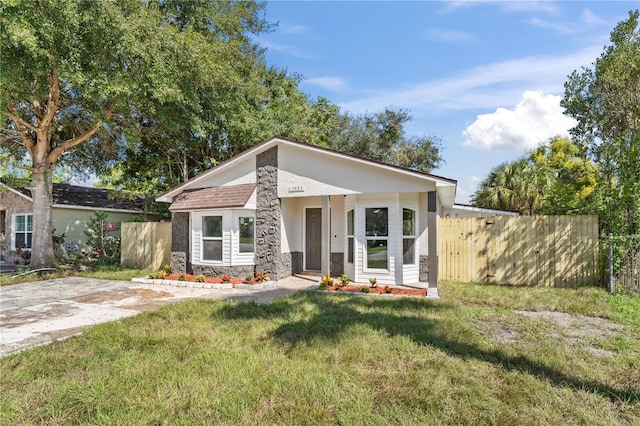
<point>214,197</point>
<point>441,182</point>
<point>74,196</point>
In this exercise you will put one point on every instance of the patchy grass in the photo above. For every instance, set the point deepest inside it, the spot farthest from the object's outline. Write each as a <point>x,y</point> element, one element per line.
<point>102,272</point>
<point>482,355</point>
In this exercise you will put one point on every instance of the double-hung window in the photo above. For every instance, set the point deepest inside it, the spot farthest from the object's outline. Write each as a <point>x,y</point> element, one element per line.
<point>377,237</point>
<point>408,237</point>
<point>22,230</point>
<point>246,234</point>
<point>350,237</point>
<point>212,238</point>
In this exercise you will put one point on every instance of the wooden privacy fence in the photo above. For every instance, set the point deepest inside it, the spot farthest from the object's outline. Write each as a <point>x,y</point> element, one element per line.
<point>523,250</point>
<point>145,245</point>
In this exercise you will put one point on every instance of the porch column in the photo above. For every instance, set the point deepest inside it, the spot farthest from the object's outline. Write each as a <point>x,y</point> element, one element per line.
<point>325,250</point>
<point>432,229</point>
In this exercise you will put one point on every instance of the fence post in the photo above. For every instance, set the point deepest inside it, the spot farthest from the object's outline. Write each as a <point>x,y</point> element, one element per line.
<point>612,287</point>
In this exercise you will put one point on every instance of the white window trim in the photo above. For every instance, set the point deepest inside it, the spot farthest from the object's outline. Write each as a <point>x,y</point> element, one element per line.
<point>220,238</point>
<point>351,236</point>
<point>231,255</point>
<point>14,231</point>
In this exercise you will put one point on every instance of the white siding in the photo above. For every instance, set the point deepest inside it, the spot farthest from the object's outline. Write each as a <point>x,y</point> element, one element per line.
<point>305,173</point>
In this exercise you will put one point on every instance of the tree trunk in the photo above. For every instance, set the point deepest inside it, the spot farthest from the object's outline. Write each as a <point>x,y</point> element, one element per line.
<point>41,192</point>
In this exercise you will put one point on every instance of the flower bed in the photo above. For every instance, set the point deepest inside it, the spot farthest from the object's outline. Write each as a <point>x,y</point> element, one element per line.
<point>210,280</point>
<point>377,290</point>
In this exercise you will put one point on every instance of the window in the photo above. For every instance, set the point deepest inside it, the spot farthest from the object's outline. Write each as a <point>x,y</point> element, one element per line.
<point>377,237</point>
<point>350,239</point>
<point>23,230</point>
<point>212,238</point>
<point>247,227</point>
<point>408,237</point>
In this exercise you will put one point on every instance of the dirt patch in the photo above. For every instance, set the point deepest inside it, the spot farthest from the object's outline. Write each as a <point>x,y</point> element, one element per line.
<point>576,330</point>
<point>34,314</point>
<point>142,294</point>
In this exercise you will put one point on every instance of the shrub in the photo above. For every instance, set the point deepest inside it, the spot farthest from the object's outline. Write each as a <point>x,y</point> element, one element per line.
<point>226,279</point>
<point>344,279</point>
<point>182,277</point>
<point>200,278</point>
<point>365,290</point>
<point>373,282</point>
<point>262,277</point>
<point>388,289</point>
<point>326,280</point>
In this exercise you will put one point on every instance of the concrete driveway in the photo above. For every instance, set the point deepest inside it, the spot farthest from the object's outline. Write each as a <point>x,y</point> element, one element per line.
<point>36,313</point>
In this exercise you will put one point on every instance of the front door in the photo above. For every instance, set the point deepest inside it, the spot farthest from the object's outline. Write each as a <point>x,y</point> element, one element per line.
<point>313,239</point>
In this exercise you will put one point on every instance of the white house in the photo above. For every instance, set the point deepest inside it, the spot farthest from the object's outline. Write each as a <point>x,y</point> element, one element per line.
<point>284,207</point>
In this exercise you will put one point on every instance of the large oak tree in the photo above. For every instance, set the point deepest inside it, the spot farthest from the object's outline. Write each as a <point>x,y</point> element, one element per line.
<point>80,80</point>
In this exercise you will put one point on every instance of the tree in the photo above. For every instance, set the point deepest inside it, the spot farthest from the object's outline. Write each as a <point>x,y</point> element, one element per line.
<point>572,177</point>
<point>515,186</point>
<point>381,137</point>
<point>82,81</point>
<point>556,178</point>
<point>605,100</point>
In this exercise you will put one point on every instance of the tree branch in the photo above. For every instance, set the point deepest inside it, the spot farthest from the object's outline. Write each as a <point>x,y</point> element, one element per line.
<point>52,104</point>
<point>55,154</point>
<point>23,129</point>
<point>17,120</point>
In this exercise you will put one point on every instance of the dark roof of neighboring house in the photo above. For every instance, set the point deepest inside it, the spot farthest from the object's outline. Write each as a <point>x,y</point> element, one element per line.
<point>97,198</point>
<point>214,197</point>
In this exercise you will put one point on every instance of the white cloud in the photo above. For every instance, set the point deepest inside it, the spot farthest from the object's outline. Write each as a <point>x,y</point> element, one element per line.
<point>286,48</point>
<point>585,23</point>
<point>447,36</point>
<point>483,87</point>
<point>508,6</point>
<point>535,119</point>
<point>290,29</point>
<point>334,84</point>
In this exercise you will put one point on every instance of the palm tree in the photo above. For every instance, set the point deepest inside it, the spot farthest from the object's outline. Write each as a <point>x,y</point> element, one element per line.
<point>515,186</point>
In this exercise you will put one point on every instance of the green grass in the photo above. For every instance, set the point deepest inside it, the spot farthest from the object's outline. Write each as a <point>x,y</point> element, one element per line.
<point>337,359</point>
<point>102,272</point>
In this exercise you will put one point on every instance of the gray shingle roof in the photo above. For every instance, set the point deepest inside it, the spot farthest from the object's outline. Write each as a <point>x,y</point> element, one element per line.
<point>97,198</point>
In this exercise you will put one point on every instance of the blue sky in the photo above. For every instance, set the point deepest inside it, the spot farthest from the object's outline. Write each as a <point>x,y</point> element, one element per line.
<point>484,76</point>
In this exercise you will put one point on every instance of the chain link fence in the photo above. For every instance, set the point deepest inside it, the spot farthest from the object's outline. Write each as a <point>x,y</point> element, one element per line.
<point>622,256</point>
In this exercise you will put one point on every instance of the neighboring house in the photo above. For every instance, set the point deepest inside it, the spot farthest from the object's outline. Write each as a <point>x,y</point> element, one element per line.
<point>465,210</point>
<point>72,208</point>
<point>284,207</point>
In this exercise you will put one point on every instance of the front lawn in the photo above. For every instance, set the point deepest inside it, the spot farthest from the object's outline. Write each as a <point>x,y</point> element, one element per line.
<point>114,272</point>
<point>481,355</point>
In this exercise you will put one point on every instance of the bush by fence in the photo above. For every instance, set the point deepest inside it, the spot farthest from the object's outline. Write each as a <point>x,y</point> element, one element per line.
<point>524,250</point>
<point>145,245</point>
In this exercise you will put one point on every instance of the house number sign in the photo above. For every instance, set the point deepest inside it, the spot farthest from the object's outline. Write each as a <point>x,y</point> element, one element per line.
<point>296,189</point>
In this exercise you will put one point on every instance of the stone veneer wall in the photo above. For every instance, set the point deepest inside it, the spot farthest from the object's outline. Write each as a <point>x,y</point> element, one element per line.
<point>269,258</point>
<point>180,256</point>
<point>296,262</point>
<point>337,264</point>
<point>423,273</point>
<point>217,271</point>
